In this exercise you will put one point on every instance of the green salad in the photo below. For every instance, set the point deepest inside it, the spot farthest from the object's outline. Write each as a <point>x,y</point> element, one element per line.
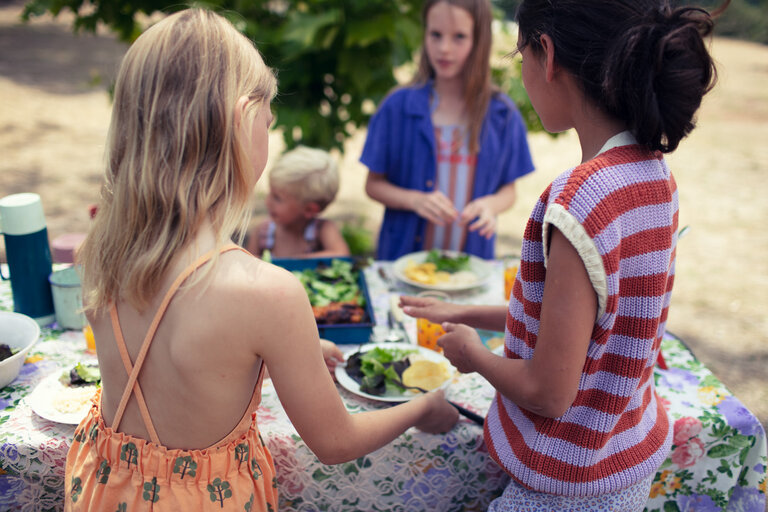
<point>447,263</point>
<point>379,371</point>
<point>81,375</point>
<point>328,284</point>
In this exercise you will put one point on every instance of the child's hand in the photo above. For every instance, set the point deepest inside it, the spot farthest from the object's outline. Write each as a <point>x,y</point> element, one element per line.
<point>440,416</point>
<point>331,353</point>
<point>436,208</point>
<point>479,209</point>
<point>434,310</point>
<point>461,344</point>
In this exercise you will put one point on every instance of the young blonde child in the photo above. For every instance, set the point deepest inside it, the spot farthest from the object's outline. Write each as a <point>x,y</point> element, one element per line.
<point>444,152</point>
<point>186,322</point>
<point>302,183</point>
<point>576,421</point>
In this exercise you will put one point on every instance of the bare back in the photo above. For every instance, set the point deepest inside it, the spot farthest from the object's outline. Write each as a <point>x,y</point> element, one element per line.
<point>200,371</point>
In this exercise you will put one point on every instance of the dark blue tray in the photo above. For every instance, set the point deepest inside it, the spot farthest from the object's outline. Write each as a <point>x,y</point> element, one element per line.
<point>337,333</point>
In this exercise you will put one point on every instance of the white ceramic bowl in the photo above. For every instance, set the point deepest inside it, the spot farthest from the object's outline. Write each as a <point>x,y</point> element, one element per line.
<point>17,331</point>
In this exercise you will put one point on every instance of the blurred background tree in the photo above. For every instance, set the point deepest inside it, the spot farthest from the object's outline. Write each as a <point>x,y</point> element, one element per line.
<point>335,59</point>
<point>743,19</point>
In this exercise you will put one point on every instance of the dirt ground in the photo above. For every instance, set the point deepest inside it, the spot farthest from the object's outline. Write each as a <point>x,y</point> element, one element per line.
<point>54,114</point>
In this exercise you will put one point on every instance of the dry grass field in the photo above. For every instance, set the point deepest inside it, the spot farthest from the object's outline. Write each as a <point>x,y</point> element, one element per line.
<point>54,114</point>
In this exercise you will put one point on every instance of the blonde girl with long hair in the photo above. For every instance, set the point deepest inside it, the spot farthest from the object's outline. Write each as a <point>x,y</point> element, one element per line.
<point>443,153</point>
<point>185,321</point>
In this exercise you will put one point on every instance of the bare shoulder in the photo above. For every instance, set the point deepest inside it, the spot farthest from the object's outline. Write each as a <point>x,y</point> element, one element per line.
<point>259,304</point>
<point>249,280</point>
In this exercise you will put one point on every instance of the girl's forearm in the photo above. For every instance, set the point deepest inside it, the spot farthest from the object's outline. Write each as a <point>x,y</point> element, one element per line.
<point>363,433</point>
<point>392,196</point>
<point>515,379</point>
<point>492,318</point>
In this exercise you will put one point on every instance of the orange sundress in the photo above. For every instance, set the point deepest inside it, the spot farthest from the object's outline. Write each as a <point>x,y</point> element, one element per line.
<point>108,471</point>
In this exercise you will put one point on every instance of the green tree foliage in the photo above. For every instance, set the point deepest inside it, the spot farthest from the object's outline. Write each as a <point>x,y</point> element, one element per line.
<point>241,453</point>
<point>256,469</point>
<point>330,55</point>
<point>743,19</point>
<point>77,488</point>
<point>185,466</point>
<point>102,474</point>
<point>151,491</point>
<point>335,59</point>
<point>219,491</point>
<point>129,453</point>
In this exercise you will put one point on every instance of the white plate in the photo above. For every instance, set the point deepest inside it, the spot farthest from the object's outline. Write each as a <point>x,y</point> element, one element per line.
<point>44,397</point>
<point>352,385</point>
<point>478,266</point>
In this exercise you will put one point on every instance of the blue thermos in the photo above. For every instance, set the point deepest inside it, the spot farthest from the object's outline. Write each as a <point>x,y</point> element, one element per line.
<point>22,223</point>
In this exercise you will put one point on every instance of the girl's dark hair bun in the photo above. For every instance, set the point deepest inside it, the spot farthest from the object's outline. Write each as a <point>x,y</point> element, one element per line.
<point>643,61</point>
<point>657,72</point>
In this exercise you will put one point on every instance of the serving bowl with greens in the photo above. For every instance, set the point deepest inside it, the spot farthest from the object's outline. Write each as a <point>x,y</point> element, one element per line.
<point>338,294</point>
<point>18,333</point>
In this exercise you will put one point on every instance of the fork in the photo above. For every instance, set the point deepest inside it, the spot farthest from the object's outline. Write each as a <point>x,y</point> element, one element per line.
<point>474,417</point>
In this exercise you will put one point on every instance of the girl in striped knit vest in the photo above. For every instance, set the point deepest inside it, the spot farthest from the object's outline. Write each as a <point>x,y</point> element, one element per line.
<point>576,421</point>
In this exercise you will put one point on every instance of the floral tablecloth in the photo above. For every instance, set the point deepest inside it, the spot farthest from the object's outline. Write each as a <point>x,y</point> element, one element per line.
<point>718,461</point>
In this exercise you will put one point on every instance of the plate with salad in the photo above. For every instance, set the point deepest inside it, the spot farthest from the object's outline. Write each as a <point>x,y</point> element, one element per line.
<point>375,370</point>
<point>65,396</point>
<point>442,270</point>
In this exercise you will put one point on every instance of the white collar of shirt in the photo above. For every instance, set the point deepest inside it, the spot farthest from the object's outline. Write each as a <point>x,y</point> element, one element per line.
<point>624,138</point>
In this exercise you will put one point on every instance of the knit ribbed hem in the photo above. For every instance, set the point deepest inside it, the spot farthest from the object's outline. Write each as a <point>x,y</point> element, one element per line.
<point>572,480</point>
<point>556,215</point>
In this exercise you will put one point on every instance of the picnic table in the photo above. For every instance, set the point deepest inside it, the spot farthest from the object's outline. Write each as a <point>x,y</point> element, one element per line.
<point>718,460</point>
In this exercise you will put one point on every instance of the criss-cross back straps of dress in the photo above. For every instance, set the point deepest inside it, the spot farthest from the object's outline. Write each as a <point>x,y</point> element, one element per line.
<point>133,369</point>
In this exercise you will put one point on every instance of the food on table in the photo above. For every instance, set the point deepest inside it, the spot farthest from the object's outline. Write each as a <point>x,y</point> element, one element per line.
<point>425,273</point>
<point>81,375</point>
<point>441,268</point>
<point>426,374</point>
<point>334,293</point>
<point>6,351</point>
<point>339,313</point>
<point>379,370</point>
<point>72,390</point>
<point>72,399</point>
<point>445,262</point>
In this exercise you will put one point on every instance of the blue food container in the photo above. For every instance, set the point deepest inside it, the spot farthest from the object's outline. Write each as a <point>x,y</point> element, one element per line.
<point>338,333</point>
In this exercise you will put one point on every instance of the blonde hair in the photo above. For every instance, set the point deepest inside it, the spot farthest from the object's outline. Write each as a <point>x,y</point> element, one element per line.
<point>310,175</point>
<point>476,74</point>
<point>173,157</point>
